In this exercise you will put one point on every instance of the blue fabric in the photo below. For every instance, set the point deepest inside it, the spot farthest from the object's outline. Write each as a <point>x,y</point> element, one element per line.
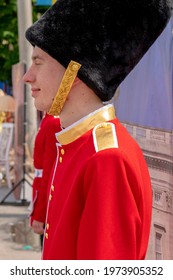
<point>146,95</point>
<point>44,2</point>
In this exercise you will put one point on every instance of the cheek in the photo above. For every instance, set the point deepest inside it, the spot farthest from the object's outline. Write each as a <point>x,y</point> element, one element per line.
<point>52,86</point>
<point>49,89</point>
<point>56,77</point>
<point>48,98</point>
<point>51,83</point>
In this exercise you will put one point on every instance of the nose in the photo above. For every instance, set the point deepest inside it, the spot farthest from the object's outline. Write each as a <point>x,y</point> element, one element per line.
<point>28,77</point>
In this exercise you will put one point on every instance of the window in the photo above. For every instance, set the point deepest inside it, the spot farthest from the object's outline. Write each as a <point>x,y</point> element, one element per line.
<point>158,246</point>
<point>157,197</point>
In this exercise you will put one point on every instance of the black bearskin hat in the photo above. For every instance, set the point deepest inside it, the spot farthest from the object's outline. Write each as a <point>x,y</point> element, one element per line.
<point>107,37</point>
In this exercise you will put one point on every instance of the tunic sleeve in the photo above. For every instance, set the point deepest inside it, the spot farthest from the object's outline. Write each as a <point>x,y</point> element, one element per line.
<point>111,223</point>
<point>44,153</point>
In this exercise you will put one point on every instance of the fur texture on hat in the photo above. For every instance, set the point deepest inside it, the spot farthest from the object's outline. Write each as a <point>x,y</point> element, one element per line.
<point>108,37</point>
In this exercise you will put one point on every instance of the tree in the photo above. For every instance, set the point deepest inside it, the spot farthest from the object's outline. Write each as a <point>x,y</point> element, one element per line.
<point>9,53</point>
<point>9,50</point>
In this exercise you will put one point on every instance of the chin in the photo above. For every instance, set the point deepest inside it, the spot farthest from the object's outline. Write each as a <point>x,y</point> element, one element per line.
<point>40,107</point>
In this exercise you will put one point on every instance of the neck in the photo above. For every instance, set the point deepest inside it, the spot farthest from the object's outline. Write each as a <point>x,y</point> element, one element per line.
<point>80,102</point>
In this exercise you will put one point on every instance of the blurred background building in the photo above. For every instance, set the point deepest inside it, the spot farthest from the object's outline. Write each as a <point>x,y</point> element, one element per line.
<point>144,103</point>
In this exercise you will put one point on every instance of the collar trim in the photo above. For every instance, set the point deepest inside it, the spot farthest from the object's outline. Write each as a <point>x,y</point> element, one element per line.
<point>74,131</point>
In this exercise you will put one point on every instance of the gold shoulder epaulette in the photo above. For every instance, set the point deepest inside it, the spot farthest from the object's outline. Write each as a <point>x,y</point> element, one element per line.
<point>104,136</point>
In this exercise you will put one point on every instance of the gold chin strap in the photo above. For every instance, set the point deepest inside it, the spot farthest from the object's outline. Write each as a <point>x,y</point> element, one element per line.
<point>64,88</point>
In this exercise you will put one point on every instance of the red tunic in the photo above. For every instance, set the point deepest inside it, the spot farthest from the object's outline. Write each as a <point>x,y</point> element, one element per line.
<point>44,156</point>
<point>100,198</point>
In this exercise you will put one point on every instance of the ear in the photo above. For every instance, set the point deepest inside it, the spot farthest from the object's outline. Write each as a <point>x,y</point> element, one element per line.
<point>76,81</point>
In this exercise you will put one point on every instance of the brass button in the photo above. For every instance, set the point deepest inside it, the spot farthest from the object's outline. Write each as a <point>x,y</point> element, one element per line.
<point>62,151</point>
<point>47,226</point>
<point>46,235</point>
<point>50,197</point>
<point>60,159</point>
<point>52,188</point>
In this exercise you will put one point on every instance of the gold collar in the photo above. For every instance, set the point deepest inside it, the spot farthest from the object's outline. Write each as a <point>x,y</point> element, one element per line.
<point>74,131</point>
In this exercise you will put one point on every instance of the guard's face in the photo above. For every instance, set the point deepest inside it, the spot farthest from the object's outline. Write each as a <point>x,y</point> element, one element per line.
<point>44,76</point>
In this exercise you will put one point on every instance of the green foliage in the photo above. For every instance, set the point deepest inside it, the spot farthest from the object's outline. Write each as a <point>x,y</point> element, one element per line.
<point>8,38</point>
<point>9,49</point>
